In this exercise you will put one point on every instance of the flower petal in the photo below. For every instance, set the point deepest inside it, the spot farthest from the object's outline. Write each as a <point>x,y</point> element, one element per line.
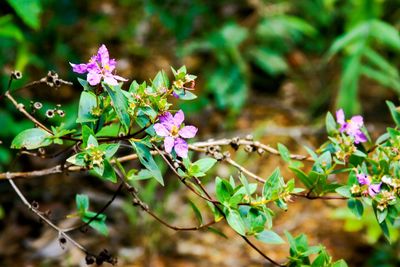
<point>109,79</point>
<point>119,78</point>
<point>94,78</point>
<point>363,179</point>
<point>161,130</point>
<point>360,137</point>
<point>103,55</point>
<point>79,68</point>
<point>169,143</point>
<point>179,117</point>
<point>358,121</point>
<point>188,131</point>
<point>167,120</point>
<point>181,147</point>
<point>340,117</point>
<point>374,189</point>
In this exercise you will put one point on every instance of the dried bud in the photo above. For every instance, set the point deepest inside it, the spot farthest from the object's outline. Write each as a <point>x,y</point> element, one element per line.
<point>35,205</point>
<point>60,113</point>
<point>249,137</point>
<point>89,259</point>
<point>227,154</point>
<point>248,148</point>
<point>50,113</point>
<point>218,156</point>
<point>16,75</point>
<point>37,105</point>
<point>260,151</point>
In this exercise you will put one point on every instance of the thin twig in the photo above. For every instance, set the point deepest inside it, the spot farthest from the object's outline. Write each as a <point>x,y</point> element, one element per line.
<point>60,231</point>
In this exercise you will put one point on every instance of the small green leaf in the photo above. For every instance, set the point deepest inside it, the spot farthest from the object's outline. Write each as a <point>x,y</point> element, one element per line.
<point>302,176</point>
<point>269,237</point>
<point>32,139</point>
<point>120,104</point>
<point>284,152</point>
<point>196,212</point>
<point>394,112</point>
<point>147,160</point>
<point>330,124</point>
<point>205,164</point>
<point>87,103</point>
<point>356,207</point>
<point>223,190</point>
<point>99,224</point>
<point>82,203</point>
<point>235,221</point>
<point>340,263</point>
<point>344,191</point>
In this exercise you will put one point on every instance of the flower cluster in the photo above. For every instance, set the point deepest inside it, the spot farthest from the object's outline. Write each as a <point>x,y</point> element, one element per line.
<point>99,67</point>
<point>173,131</point>
<point>370,188</point>
<point>351,127</point>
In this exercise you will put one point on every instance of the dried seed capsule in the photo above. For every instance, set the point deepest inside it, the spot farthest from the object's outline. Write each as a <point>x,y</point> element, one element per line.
<point>16,75</point>
<point>37,105</point>
<point>60,113</point>
<point>249,137</point>
<point>50,113</point>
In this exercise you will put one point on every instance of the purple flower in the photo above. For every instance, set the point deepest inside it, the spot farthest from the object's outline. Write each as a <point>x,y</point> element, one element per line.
<point>373,189</point>
<point>99,67</point>
<point>171,128</point>
<point>352,127</point>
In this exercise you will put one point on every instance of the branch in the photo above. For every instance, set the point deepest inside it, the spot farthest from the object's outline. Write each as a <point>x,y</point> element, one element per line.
<point>138,202</point>
<point>236,142</point>
<point>60,231</point>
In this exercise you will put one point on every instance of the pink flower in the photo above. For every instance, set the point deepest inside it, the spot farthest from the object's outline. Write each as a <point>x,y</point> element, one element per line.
<point>351,127</point>
<point>172,129</point>
<point>373,189</point>
<point>99,67</point>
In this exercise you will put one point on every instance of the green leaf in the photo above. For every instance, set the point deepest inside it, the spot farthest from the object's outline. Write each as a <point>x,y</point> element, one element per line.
<point>381,215</point>
<point>205,164</point>
<point>344,191</point>
<point>82,203</point>
<point>269,61</point>
<point>223,190</point>
<point>360,31</point>
<point>78,159</point>
<point>270,237</point>
<point>32,139</point>
<point>109,173</point>
<point>284,152</point>
<point>216,231</point>
<point>87,103</point>
<point>385,33</point>
<point>394,112</point>
<point>99,224</point>
<point>273,185</point>
<point>196,212</point>
<point>28,10</point>
<point>9,29</point>
<point>356,207</point>
<point>147,160</point>
<point>235,221</point>
<point>340,263</point>
<point>109,149</point>
<point>120,104</point>
<point>302,176</point>
<point>330,124</point>
<point>86,132</point>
